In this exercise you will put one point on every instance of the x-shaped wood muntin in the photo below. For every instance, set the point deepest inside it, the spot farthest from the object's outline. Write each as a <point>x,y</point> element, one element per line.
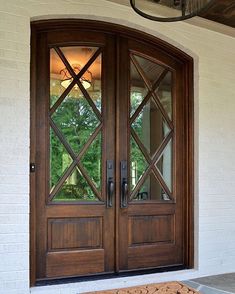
<point>158,153</point>
<point>76,158</point>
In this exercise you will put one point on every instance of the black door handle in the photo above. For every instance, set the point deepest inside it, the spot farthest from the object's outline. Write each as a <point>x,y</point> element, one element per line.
<point>110,192</point>
<point>124,184</point>
<point>110,182</point>
<point>124,194</point>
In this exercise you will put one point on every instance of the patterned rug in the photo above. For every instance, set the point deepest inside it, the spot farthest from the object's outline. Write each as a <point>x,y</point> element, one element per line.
<point>163,288</point>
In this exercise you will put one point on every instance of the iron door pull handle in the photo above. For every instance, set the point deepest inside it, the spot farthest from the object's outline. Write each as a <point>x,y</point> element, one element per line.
<point>110,192</point>
<point>124,194</point>
<point>124,183</point>
<point>110,182</point>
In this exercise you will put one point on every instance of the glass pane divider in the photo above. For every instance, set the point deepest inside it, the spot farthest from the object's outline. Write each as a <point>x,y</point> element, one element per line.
<point>89,181</point>
<point>89,63</point>
<point>89,142</point>
<point>153,168</point>
<point>152,89</point>
<point>161,148</point>
<point>62,97</point>
<point>139,108</point>
<point>67,146</point>
<point>140,182</point>
<point>159,80</point>
<point>62,139</point>
<point>65,61</point>
<point>161,108</point>
<point>89,100</point>
<point>141,72</point>
<point>141,146</point>
<point>62,180</point>
<point>161,181</point>
<point>76,77</point>
<point>75,158</point>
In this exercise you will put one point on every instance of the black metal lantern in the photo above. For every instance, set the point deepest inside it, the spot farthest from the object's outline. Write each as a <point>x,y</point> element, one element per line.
<point>169,10</point>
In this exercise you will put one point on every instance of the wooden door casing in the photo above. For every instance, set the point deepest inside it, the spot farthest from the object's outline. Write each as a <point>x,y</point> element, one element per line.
<point>113,252</point>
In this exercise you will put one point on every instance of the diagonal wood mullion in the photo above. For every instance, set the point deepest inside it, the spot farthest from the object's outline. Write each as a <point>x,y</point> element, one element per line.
<point>161,148</point>
<point>75,158</point>
<point>161,108</point>
<point>152,164</point>
<point>62,139</point>
<point>139,108</point>
<point>89,142</point>
<point>89,100</point>
<point>162,182</point>
<point>64,94</point>
<point>152,88</point>
<point>141,72</point>
<point>89,63</point>
<point>65,61</point>
<point>140,182</point>
<point>70,87</point>
<point>90,182</point>
<point>73,74</point>
<point>149,94</point>
<point>61,181</point>
<point>141,146</point>
<point>159,79</point>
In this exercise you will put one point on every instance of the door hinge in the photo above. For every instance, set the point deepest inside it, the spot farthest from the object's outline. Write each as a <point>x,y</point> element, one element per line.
<point>32,167</point>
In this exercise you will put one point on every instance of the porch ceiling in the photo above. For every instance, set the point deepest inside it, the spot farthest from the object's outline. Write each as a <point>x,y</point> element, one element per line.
<point>221,11</point>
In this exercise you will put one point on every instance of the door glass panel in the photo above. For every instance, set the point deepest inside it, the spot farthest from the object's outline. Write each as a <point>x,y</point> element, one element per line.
<point>164,93</point>
<point>138,164</point>
<point>76,120</point>
<point>164,165</point>
<point>151,70</point>
<point>56,65</point>
<point>76,188</point>
<point>60,77</point>
<point>151,190</point>
<point>138,89</point>
<point>92,161</point>
<point>60,160</point>
<point>78,55</point>
<point>76,116</point>
<point>151,127</point>
<point>94,74</point>
<point>150,130</point>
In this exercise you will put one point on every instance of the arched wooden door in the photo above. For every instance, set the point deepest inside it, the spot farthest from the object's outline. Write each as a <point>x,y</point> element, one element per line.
<point>110,154</point>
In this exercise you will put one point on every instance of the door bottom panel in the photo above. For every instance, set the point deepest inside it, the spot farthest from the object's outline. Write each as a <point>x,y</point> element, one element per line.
<point>61,264</point>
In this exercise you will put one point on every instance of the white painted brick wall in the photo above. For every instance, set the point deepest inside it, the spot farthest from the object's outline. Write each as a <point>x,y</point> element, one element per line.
<point>213,48</point>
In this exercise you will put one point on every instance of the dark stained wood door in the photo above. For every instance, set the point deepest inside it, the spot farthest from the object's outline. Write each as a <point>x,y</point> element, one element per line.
<point>75,140</point>
<point>111,143</point>
<point>152,155</point>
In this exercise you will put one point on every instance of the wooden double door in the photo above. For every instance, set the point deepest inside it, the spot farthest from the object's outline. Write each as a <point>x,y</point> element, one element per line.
<point>110,151</point>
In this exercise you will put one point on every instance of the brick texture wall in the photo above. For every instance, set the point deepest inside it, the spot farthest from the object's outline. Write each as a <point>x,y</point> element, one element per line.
<point>212,47</point>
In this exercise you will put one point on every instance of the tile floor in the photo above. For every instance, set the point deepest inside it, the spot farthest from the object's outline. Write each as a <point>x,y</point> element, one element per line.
<point>221,284</point>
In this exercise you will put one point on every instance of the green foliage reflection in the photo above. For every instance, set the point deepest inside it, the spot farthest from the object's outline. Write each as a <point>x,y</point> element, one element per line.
<point>77,121</point>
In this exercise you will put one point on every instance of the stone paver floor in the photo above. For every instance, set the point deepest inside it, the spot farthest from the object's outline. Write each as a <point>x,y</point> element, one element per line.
<point>220,284</point>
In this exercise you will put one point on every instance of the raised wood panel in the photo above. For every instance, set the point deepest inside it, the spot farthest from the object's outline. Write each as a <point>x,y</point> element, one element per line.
<point>151,229</point>
<point>74,263</point>
<point>80,233</point>
<point>154,256</point>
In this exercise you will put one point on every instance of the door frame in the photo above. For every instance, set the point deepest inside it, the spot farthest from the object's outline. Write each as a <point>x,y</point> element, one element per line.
<point>187,62</point>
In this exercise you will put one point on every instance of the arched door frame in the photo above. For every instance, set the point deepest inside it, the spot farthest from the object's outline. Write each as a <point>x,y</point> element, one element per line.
<point>187,62</point>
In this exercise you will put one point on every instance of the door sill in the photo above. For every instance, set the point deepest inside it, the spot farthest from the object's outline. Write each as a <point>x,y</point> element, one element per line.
<point>130,273</point>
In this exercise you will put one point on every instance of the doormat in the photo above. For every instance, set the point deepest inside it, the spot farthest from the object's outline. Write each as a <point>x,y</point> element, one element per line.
<point>163,288</point>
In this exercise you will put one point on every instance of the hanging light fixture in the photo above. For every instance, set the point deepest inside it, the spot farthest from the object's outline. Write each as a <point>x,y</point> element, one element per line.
<point>169,10</point>
<point>67,79</point>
